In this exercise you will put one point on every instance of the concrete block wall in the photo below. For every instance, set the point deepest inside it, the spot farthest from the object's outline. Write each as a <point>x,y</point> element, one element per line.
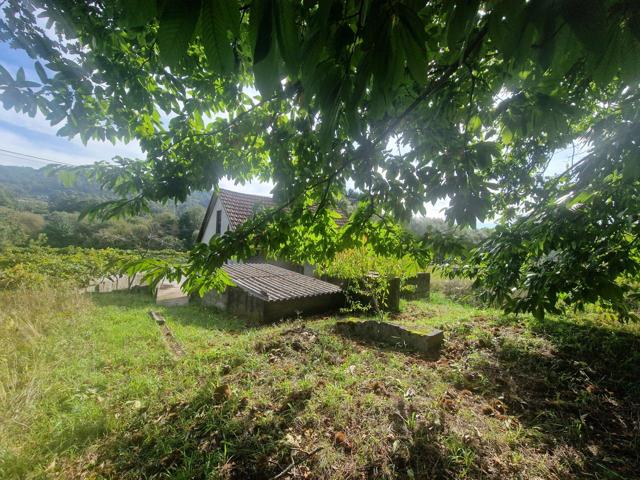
<point>306,305</point>
<point>236,301</point>
<point>422,287</point>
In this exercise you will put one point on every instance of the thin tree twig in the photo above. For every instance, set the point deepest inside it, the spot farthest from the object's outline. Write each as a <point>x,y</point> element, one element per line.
<point>293,463</point>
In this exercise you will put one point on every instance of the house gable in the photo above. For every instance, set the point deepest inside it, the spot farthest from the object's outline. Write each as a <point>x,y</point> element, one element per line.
<point>208,228</point>
<point>236,208</point>
<point>240,207</point>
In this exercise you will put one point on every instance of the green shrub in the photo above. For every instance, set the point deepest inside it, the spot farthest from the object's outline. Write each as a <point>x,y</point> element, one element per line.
<point>365,276</point>
<point>18,227</point>
<point>358,262</point>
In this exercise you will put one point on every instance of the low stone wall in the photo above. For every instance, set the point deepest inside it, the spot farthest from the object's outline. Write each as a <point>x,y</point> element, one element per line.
<point>394,335</point>
<point>115,283</point>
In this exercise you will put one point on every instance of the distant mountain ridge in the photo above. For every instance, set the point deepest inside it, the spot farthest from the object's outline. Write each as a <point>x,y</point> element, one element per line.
<point>34,183</point>
<point>31,182</point>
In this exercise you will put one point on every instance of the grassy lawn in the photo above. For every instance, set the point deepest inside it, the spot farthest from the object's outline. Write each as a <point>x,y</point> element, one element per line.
<point>88,389</point>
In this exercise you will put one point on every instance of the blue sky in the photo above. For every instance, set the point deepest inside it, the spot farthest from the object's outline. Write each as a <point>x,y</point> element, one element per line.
<point>34,137</point>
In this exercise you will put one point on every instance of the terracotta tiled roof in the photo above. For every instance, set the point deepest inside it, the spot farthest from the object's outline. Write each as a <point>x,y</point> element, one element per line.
<point>241,206</point>
<point>273,284</point>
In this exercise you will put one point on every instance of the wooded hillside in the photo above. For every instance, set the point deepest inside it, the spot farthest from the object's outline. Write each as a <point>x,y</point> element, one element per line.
<point>37,206</point>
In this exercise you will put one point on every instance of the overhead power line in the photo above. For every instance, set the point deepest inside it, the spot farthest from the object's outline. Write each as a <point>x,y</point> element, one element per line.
<point>33,157</point>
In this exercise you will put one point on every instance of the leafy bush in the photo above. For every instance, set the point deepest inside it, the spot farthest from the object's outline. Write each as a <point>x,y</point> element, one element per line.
<point>358,262</point>
<point>36,265</point>
<point>365,275</point>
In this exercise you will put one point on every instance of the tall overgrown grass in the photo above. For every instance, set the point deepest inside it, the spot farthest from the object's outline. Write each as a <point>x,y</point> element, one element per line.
<point>26,318</point>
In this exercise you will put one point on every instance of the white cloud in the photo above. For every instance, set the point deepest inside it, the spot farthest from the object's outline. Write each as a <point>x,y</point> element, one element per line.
<point>436,210</point>
<point>36,124</point>
<point>34,136</point>
<point>256,188</point>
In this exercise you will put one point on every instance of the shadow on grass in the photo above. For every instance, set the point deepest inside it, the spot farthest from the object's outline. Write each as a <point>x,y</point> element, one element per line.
<point>583,392</point>
<point>211,435</point>
<point>431,355</point>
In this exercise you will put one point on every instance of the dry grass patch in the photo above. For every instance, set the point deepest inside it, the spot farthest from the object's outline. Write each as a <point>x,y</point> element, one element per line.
<point>27,318</point>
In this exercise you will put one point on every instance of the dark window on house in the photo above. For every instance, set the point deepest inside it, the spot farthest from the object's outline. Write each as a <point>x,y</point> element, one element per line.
<point>218,221</point>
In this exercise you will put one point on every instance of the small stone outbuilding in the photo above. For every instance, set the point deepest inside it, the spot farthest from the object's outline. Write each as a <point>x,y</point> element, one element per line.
<point>266,293</point>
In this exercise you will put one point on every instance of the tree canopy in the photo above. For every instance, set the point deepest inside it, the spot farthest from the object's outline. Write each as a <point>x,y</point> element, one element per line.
<point>408,102</point>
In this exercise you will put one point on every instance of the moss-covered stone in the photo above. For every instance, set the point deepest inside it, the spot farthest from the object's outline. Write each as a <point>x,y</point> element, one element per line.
<point>391,334</point>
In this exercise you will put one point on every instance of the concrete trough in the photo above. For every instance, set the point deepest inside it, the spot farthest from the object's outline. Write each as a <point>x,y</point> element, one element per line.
<point>394,335</point>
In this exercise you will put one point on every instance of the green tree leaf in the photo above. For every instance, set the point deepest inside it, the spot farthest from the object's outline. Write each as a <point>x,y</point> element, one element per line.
<point>475,123</point>
<point>587,19</point>
<point>460,21</point>
<point>216,24</point>
<point>262,26</point>
<point>287,33</point>
<point>138,12</point>
<point>177,25</point>
<point>5,76</point>
<point>41,72</point>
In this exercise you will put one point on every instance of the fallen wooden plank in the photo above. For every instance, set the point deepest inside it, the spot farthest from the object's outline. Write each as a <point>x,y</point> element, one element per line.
<point>174,346</point>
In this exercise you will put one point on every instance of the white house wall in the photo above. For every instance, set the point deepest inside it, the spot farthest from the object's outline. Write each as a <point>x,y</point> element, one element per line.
<point>210,229</point>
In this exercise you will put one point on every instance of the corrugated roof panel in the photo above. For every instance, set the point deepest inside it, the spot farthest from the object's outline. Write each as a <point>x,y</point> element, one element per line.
<point>271,283</point>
